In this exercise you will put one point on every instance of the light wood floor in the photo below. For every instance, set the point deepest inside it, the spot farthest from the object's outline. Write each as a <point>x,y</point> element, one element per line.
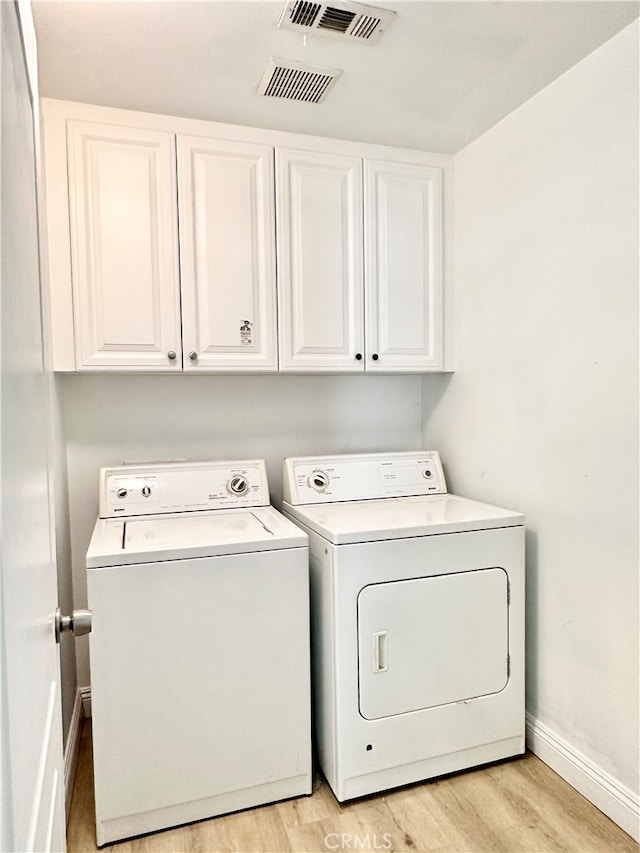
<point>517,805</point>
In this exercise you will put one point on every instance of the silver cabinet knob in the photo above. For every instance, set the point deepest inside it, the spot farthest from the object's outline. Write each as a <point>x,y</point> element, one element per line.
<point>78,623</point>
<point>171,355</point>
<point>193,355</point>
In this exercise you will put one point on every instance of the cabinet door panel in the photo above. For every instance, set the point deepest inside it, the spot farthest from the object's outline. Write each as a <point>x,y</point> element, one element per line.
<point>320,261</point>
<point>227,253</point>
<point>124,247</point>
<point>403,236</point>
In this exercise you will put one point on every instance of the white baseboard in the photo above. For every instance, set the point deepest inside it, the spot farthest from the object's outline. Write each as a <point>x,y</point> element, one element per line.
<point>71,752</point>
<point>85,693</point>
<point>606,793</point>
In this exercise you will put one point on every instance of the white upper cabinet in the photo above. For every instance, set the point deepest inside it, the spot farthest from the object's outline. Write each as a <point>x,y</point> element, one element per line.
<point>403,266</point>
<point>227,254</point>
<point>320,261</point>
<point>124,247</point>
<point>345,308</point>
<point>183,245</point>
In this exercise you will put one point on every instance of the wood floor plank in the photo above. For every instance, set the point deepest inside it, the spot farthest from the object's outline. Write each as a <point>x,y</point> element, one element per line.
<point>260,829</point>
<point>517,806</point>
<point>366,824</point>
<point>459,816</point>
<point>505,823</point>
<point>420,823</point>
<point>308,810</point>
<point>566,812</point>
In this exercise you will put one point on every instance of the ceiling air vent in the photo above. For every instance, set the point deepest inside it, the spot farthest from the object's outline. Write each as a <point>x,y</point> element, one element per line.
<point>339,20</point>
<point>297,82</point>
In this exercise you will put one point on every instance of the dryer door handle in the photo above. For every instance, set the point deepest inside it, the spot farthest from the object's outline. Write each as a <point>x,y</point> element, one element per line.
<point>380,655</point>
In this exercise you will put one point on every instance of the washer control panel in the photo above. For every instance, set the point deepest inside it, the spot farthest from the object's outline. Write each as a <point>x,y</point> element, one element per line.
<point>182,487</point>
<point>325,479</point>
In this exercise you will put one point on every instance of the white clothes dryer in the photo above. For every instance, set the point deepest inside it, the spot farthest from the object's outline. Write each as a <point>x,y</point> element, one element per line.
<point>417,620</point>
<point>200,646</point>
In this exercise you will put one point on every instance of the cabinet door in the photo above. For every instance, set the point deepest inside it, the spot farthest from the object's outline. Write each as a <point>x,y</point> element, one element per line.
<point>403,238</point>
<point>227,255</point>
<point>320,256</point>
<point>124,239</point>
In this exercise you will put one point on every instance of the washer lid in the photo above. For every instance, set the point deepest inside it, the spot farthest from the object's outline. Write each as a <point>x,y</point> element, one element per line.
<point>122,541</point>
<point>400,518</point>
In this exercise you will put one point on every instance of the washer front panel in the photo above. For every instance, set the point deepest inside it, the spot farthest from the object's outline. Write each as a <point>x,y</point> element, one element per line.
<point>431,641</point>
<point>200,684</point>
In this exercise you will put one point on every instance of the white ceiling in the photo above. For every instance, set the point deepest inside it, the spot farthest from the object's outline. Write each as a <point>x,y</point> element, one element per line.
<point>442,74</point>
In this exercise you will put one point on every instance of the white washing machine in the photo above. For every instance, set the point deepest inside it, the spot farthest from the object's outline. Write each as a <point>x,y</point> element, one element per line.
<point>200,681</point>
<point>417,620</point>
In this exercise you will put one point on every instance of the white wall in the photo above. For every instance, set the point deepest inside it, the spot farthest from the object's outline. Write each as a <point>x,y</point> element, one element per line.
<point>111,419</point>
<point>542,414</point>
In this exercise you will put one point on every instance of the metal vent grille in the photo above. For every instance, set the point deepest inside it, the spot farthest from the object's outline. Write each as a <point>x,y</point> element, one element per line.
<point>338,20</point>
<point>344,20</point>
<point>304,14</point>
<point>365,27</point>
<point>297,82</point>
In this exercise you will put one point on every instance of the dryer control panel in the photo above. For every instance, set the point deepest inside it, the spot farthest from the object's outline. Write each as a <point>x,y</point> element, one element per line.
<point>325,479</point>
<point>182,487</point>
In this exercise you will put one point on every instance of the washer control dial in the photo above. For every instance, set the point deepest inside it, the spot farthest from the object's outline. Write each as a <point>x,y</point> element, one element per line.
<point>122,493</point>
<point>238,486</point>
<point>319,481</point>
<point>427,473</point>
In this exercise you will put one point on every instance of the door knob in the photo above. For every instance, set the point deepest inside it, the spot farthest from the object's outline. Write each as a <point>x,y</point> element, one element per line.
<point>78,623</point>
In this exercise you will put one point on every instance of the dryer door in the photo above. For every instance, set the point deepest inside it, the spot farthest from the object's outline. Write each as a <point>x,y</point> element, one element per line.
<point>431,641</point>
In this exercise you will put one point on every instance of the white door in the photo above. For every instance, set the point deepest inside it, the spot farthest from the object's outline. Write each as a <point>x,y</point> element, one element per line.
<point>32,804</point>
<point>124,236</point>
<point>403,283</point>
<point>227,255</point>
<point>430,641</point>
<point>320,261</point>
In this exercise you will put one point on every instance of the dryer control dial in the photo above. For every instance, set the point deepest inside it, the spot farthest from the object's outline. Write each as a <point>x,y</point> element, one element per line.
<point>319,481</point>
<point>238,485</point>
